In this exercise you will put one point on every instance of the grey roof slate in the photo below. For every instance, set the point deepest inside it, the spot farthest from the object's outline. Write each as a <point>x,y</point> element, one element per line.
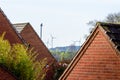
<point>113,32</point>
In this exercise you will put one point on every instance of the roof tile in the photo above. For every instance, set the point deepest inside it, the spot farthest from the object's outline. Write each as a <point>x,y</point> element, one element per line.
<point>113,32</point>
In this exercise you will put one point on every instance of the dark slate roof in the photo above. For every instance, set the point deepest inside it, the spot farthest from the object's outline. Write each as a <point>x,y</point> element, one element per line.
<point>113,32</point>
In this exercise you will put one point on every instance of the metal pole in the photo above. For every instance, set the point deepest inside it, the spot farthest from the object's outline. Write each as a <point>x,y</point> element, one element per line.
<point>41,30</point>
<point>52,38</point>
<point>52,41</point>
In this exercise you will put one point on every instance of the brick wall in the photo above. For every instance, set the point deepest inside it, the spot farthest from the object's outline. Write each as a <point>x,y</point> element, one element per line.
<point>30,36</point>
<point>5,26</point>
<point>5,75</point>
<point>99,62</point>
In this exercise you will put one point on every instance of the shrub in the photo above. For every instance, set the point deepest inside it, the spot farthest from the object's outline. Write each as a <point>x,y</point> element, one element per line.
<point>20,61</point>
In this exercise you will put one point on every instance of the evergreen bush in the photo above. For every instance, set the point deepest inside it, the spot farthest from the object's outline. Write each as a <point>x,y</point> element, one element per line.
<point>20,61</point>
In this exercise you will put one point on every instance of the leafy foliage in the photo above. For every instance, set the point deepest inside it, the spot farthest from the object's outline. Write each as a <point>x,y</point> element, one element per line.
<point>64,58</point>
<point>110,18</point>
<point>61,56</point>
<point>113,18</point>
<point>20,61</point>
<point>64,53</point>
<point>58,72</point>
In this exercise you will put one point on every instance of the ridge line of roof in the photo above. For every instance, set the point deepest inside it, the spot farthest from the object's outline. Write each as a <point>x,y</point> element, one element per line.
<point>107,24</point>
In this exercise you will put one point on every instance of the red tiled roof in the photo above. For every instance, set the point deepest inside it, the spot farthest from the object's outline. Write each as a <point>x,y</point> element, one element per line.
<point>98,58</point>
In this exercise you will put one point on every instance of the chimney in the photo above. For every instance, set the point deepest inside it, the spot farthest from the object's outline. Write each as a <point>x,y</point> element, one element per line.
<point>41,30</point>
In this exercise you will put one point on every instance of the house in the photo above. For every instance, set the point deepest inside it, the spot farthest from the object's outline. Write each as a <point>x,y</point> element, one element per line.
<point>99,56</point>
<point>5,74</point>
<point>7,27</point>
<point>31,38</point>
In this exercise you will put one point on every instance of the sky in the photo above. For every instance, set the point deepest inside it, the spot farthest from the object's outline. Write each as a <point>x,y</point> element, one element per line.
<point>65,20</point>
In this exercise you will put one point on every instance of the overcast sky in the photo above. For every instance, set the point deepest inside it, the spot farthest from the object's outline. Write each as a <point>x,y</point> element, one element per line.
<point>66,20</point>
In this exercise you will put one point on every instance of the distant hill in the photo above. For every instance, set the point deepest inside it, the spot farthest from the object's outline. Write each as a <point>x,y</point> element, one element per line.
<point>65,48</point>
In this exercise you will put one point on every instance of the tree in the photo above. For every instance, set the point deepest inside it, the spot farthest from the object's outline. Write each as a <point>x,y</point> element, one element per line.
<point>21,62</point>
<point>111,18</point>
<point>92,23</point>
